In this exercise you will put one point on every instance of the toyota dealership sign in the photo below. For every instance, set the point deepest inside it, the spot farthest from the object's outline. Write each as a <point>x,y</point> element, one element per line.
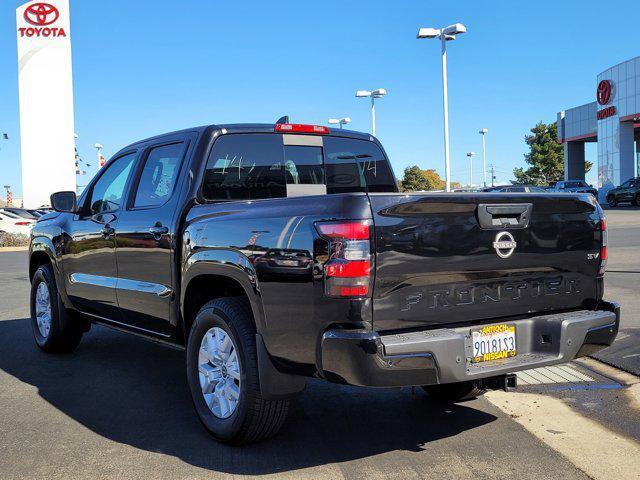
<point>604,94</point>
<point>41,21</point>
<point>46,100</point>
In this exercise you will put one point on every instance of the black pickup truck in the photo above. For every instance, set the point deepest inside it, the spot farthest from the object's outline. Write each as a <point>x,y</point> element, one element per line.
<point>276,253</point>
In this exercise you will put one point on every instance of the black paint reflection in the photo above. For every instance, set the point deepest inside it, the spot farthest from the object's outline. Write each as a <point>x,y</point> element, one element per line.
<point>284,264</point>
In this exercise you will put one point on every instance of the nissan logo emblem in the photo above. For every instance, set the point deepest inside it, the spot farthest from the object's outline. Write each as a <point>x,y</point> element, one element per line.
<point>504,244</point>
<point>41,14</point>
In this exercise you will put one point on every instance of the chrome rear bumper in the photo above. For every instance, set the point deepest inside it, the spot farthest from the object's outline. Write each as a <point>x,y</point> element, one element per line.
<point>444,355</point>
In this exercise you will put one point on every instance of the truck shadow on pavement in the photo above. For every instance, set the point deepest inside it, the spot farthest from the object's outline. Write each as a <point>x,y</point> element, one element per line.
<point>134,392</point>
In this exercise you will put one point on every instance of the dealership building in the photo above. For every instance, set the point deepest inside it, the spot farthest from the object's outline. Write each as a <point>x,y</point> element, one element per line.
<point>613,121</point>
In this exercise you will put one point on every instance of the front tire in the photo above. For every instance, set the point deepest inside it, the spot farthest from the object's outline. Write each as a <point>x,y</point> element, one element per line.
<point>222,373</point>
<point>454,392</point>
<point>53,328</point>
<point>612,201</point>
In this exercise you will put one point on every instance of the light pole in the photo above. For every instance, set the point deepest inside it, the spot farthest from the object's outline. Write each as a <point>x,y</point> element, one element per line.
<point>444,34</point>
<point>101,160</point>
<point>471,155</point>
<point>380,92</point>
<point>483,132</point>
<point>340,121</point>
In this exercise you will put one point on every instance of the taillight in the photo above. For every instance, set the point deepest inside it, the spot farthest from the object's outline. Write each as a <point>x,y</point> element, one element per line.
<point>347,273</point>
<point>22,224</point>
<point>300,128</point>
<point>603,247</point>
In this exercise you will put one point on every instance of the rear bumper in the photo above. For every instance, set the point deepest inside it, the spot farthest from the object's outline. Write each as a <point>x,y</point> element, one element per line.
<point>443,355</point>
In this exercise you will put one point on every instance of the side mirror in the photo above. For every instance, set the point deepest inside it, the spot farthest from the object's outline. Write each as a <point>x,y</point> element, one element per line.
<point>64,202</point>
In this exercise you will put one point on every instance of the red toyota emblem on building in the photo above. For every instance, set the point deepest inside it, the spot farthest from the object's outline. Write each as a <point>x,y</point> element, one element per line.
<point>604,92</point>
<point>41,14</point>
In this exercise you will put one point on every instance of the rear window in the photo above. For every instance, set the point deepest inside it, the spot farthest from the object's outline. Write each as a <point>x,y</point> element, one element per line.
<point>257,166</point>
<point>9,214</point>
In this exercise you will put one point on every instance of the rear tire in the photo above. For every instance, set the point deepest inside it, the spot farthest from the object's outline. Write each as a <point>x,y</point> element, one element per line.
<point>454,392</point>
<point>54,330</point>
<point>612,201</point>
<point>226,393</point>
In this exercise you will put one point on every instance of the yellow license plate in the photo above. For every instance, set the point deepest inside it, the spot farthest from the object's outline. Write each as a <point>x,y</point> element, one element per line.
<point>493,342</point>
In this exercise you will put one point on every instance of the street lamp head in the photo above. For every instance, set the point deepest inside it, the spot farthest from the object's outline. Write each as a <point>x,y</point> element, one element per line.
<point>345,120</point>
<point>471,154</point>
<point>428,32</point>
<point>363,93</point>
<point>483,131</point>
<point>455,29</point>
<point>334,121</point>
<point>98,146</point>
<point>448,38</point>
<point>379,92</point>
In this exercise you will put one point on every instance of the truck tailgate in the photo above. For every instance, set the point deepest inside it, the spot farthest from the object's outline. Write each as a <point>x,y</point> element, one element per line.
<point>438,263</point>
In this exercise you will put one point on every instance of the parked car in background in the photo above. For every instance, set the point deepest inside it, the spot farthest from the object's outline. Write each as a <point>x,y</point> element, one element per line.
<point>23,212</point>
<point>575,186</point>
<point>12,223</point>
<point>515,188</point>
<point>629,191</point>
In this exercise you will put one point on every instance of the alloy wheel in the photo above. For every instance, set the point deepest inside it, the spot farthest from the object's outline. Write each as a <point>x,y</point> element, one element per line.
<point>219,372</point>
<point>43,309</point>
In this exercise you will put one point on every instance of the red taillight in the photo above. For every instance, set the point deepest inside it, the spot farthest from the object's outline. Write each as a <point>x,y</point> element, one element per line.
<point>347,269</point>
<point>300,128</point>
<point>347,273</point>
<point>603,247</point>
<point>349,230</point>
<point>22,224</point>
<point>354,291</point>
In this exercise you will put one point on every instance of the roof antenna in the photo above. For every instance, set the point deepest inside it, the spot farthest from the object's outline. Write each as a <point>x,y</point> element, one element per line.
<point>284,119</point>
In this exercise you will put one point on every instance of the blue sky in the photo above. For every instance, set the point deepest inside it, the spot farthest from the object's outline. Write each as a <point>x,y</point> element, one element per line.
<point>146,67</point>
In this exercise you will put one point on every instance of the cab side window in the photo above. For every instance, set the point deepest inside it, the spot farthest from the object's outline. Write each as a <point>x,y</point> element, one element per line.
<point>355,166</point>
<point>107,192</point>
<point>159,175</point>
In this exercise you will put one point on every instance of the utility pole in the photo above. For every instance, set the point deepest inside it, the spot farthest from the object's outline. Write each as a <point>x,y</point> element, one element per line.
<point>445,35</point>
<point>483,132</point>
<point>492,175</point>
<point>470,155</point>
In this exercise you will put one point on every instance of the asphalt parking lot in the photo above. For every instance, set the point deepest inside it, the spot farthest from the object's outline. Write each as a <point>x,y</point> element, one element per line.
<point>119,408</point>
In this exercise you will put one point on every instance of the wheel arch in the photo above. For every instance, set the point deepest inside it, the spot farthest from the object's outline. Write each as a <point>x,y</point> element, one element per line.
<point>41,252</point>
<point>215,273</point>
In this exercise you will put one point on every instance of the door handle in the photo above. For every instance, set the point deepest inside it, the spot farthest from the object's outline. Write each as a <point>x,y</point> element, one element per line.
<point>107,231</point>
<point>158,230</point>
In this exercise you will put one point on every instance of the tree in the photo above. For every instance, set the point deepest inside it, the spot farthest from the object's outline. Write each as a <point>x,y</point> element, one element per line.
<point>546,157</point>
<point>417,179</point>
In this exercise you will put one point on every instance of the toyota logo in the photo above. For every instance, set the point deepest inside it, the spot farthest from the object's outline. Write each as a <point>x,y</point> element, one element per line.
<point>41,14</point>
<point>603,94</point>
<point>504,244</point>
